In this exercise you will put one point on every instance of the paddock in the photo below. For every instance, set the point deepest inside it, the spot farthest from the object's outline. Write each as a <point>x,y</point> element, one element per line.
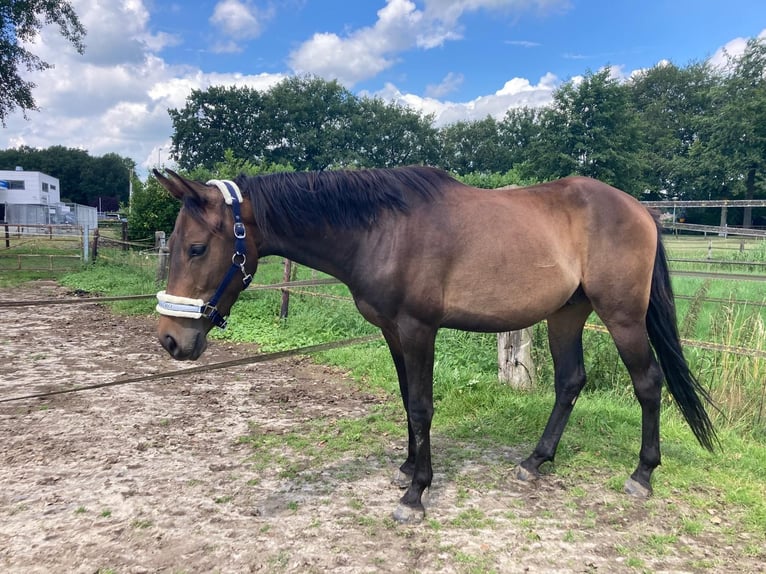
<point>164,476</point>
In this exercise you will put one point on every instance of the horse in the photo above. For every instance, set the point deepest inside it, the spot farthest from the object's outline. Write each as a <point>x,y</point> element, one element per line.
<point>420,251</point>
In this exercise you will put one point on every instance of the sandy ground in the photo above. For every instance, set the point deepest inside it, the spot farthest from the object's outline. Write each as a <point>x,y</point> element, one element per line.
<point>153,477</point>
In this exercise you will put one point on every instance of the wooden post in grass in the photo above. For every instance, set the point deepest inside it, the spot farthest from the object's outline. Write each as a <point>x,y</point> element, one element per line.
<point>94,248</point>
<point>163,259</point>
<point>284,309</point>
<point>124,235</point>
<point>514,359</point>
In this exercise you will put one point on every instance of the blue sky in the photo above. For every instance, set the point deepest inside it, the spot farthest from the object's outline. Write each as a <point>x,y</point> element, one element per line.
<point>457,59</point>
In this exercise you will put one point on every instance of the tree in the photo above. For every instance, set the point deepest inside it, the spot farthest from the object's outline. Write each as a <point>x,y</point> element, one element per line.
<point>389,135</point>
<point>670,101</point>
<point>474,147</point>
<point>20,22</point>
<point>152,209</point>
<point>310,120</point>
<point>217,119</point>
<point>590,129</point>
<point>731,151</point>
<point>518,130</point>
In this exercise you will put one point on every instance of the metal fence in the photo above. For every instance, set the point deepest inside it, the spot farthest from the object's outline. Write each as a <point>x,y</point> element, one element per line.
<point>21,214</point>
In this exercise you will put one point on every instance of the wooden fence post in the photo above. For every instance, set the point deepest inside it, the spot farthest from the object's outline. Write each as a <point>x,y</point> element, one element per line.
<point>284,308</point>
<point>94,250</point>
<point>514,359</point>
<point>163,256</point>
<point>124,235</point>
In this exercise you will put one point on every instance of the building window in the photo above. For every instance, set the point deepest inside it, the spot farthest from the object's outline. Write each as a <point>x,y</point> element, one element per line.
<point>16,184</point>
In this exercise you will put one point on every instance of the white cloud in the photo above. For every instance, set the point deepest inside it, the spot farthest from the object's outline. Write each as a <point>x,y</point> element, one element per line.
<point>450,83</point>
<point>523,43</point>
<point>517,92</point>
<point>400,27</point>
<point>237,21</point>
<point>115,97</point>
<point>732,49</point>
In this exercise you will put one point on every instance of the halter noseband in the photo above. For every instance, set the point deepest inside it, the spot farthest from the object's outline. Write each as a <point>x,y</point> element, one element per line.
<point>176,306</point>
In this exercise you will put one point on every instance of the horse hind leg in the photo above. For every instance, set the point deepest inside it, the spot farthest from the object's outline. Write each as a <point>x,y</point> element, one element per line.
<point>565,329</point>
<point>636,353</point>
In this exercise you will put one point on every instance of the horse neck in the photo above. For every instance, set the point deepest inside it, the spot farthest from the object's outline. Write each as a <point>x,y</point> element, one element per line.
<point>330,251</point>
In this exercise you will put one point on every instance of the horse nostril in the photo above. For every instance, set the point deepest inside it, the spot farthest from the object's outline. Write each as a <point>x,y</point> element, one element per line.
<point>169,343</point>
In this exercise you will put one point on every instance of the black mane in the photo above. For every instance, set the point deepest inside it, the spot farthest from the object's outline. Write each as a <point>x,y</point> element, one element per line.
<point>298,202</point>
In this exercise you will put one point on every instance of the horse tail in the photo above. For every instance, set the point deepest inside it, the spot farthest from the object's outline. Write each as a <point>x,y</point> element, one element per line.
<point>662,326</point>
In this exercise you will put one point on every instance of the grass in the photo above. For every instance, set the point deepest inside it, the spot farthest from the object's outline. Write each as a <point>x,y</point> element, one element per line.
<point>473,409</point>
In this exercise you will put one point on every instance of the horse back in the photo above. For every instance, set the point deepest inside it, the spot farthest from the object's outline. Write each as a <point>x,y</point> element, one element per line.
<point>496,260</point>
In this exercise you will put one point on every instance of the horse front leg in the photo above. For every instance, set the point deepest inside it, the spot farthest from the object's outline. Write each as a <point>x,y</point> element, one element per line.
<point>403,476</point>
<point>417,342</point>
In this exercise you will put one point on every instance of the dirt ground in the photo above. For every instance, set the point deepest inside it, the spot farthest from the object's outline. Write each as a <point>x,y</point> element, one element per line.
<point>153,477</point>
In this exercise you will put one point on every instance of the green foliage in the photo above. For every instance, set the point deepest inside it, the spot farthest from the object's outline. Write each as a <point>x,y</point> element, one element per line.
<point>305,122</point>
<point>22,21</point>
<point>152,209</point>
<point>670,102</point>
<point>231,167</point>
<point>590,129</point>
<point>473,147</point>
<point>218,119</point>
<point>493,180</point>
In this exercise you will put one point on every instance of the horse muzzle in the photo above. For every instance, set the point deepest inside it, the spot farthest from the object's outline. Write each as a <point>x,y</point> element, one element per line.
<point>183,339</point>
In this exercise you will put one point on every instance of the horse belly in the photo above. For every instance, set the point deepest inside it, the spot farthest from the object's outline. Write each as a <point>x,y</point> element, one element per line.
<point>507,300</point>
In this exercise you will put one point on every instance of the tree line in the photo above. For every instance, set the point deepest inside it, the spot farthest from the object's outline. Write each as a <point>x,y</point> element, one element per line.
<point>687,132</point>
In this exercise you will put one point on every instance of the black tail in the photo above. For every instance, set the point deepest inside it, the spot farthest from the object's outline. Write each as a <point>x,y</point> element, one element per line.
<point>661,323</point>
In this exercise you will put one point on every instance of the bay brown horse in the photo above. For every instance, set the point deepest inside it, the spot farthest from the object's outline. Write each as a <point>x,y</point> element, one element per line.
<point>419,251</point>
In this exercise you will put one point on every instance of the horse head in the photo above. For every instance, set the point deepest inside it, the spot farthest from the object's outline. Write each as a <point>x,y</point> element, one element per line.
<point>212,259</point>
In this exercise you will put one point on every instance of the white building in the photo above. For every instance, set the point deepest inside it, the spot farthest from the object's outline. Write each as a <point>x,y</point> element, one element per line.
<point>27,187</point>
<point>34,198</point>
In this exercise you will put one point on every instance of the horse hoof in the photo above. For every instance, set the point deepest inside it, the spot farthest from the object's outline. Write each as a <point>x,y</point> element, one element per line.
<point>525,475</point>
<point>407,515</point>
<point>401,479</point>
<point>635,488</point>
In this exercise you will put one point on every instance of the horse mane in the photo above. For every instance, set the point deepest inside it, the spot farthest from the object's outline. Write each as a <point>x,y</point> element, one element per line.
<point>299,202</point>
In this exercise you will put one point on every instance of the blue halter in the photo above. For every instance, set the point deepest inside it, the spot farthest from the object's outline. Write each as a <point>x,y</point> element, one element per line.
<point>175,306</point>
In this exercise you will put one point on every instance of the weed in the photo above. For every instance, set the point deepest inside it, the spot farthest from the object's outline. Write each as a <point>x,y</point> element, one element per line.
<point>141,524</point>
<point>471,518</point>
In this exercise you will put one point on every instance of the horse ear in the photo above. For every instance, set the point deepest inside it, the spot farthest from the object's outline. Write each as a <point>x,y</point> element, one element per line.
<point>179,186</point>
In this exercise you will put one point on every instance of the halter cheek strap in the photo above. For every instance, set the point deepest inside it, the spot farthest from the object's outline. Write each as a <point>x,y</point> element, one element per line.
<point>177,306</point>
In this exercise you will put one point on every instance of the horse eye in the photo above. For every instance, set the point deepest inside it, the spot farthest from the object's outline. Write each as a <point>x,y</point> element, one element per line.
<point>197,249</point>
